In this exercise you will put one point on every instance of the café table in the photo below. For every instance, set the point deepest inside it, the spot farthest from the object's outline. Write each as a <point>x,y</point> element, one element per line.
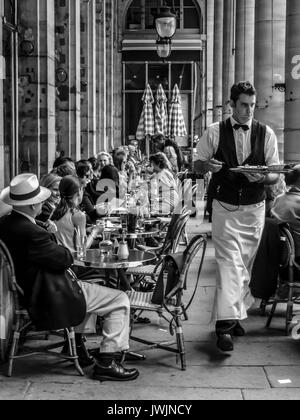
<point>138,235</point>
<point>94,259</point>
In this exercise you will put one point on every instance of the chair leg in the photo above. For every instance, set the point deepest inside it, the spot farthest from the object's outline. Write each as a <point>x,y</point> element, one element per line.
<point>72,345</point>
<point>289,310</point>
<point>272,312</point>
<point>180,342</point>
<point>13,351</point>
<point>262,307</point>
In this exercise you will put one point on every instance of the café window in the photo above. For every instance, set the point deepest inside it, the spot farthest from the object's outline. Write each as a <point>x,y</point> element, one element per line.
<point>136,76</point>
<point>141,13</point>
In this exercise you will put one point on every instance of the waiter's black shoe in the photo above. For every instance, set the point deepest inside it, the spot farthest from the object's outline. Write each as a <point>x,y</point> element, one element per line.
<point>225,342</point>
<point>115,371</point>
<point>238,330</point>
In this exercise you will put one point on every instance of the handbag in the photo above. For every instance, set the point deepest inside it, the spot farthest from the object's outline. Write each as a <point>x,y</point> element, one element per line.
<point>57,301</point>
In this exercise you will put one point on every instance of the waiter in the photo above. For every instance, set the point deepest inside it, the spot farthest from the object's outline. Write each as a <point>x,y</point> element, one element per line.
<point>238,205</point>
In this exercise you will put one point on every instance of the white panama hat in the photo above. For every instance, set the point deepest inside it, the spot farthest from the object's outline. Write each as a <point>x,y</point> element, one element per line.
<point>24,190</point>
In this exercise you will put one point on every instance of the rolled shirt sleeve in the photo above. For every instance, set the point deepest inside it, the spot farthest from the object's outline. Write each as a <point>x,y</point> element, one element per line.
<point>209,143</point>
<point>271,148</point>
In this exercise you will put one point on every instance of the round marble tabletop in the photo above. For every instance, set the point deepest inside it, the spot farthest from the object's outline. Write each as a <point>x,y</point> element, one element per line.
<point>94,259</point>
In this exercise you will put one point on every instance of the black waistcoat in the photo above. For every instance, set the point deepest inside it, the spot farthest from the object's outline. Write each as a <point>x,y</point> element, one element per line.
<point>233,188</point>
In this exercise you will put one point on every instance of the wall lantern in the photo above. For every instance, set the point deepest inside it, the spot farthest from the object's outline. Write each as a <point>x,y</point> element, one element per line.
<point>164,47</point>
<point>166,25</point>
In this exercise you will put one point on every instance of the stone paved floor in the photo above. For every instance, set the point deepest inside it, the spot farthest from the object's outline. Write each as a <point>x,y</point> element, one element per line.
<point>255,371</point>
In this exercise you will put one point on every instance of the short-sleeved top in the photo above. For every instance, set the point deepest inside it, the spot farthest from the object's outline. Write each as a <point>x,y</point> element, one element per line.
<point>164,194</point>
<point>66,232</point>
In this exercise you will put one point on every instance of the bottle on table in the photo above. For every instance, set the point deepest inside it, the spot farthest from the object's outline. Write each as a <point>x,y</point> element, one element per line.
<point>106,245</point>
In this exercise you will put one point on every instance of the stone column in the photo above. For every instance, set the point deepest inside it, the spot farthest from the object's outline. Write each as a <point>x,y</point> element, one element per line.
<point>292,97</point>
<point>36,86</point>
<point>68,124</point>
<point>210,61</point>
<point>269,69</point>
<point>48,134</point>
<point>228,55</point>
<point>111,35</point>
<point>104,77</point>
<point>218,61</point>
<point>2,77</point>
<point>99,76</point>
<point>88,78</point>
<point>244,49</point>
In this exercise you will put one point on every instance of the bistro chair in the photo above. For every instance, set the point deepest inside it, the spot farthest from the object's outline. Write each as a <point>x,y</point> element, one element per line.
<point>288,288</point>
<point>173,307</point>
<point>170,245</point>
<point>16,327</point>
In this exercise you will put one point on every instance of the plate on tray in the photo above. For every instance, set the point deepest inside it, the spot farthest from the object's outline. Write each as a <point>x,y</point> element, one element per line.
<point>277,169</point>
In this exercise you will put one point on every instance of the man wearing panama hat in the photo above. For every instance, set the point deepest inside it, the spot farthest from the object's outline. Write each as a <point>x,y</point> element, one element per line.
<point>34,250</point>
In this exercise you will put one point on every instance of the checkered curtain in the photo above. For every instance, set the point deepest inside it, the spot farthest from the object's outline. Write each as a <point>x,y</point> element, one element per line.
<point>146,124</point>
<point>177,126</point>
<point>161,112</point>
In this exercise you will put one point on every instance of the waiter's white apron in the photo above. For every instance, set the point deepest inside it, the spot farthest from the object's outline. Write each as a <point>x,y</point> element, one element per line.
<point>236,237</point>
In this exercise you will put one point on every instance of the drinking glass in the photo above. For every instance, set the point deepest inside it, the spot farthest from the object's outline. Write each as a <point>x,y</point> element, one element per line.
<point>141,219</point>
<point>132,222</point>
<point>81,242</point>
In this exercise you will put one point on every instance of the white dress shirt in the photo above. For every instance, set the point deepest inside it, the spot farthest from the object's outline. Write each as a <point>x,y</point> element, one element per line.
<point>209,144</point>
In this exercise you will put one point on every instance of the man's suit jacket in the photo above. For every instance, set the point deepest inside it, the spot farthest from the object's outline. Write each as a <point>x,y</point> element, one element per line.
<point>35,251</point>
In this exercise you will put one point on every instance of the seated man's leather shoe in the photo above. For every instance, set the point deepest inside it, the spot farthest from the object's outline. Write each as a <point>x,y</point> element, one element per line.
<point>225,342</point>
<point>113,372</point>
<point>238,330</point>
<point>84,359</point>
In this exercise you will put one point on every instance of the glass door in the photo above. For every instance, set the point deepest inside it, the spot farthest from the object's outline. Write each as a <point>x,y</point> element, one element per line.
<point>136,76</point>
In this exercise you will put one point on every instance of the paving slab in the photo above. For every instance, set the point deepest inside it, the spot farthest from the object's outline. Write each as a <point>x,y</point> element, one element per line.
<point>245,354</point>
<point>284,376</point>
<point>271,394</point>
<point>204,376</point>
<point>43,369</point>
<point>13,389</point>
<point>107,392</point>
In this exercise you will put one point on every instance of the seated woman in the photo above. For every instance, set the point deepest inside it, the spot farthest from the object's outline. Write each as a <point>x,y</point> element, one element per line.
<point>50,181</point>
<point>108,188</point>
<point>164,195</point>
<point>69,219</point>
<point>96,167</point>
<point>85,174</point>
<point>125,168</point>
<point>169,151</point>
<point>68,216</point>
<point>174,154</point>
<point>104,159</point>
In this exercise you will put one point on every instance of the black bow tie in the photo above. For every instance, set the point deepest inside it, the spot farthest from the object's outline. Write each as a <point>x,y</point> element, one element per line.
<point>243,126</point>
